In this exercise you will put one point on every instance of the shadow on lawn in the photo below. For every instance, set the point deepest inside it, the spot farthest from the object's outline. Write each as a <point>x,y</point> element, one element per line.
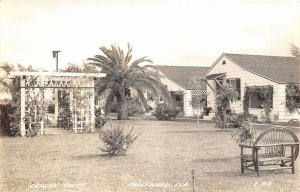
<point>217,160</point>
<point>247,174</point>
<point>93,156</point>
<point>200,131</point>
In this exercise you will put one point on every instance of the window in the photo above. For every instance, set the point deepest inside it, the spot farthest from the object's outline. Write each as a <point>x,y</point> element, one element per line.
<point>256,101</point>
<point>298,101</point>
<point>127,92</point>
<point>236,83</point>
<point>160,99</point>
<point>223,62</point>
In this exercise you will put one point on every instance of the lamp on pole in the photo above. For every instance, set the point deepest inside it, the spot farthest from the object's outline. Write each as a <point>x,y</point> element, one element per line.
<point>55,55</point>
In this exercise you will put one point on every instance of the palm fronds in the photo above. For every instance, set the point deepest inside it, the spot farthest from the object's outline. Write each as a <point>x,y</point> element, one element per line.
<point>7,67</point>
<point>120,73</point>
<point>295,51</point>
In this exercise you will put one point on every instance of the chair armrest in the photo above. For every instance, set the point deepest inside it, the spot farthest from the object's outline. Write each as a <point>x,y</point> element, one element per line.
<point>246,145</point>
<point>278,144</point>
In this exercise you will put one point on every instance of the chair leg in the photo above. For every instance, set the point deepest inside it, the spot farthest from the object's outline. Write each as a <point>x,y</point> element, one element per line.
<point>293,163</point>
<point>257,162</point>
<point>242,154</point>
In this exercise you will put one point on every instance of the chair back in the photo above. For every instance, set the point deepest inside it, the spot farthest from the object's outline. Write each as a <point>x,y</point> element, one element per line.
<point>276,136</point>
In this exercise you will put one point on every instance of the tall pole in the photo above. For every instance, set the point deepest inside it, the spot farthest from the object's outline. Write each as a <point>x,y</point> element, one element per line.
<point>55,54</point>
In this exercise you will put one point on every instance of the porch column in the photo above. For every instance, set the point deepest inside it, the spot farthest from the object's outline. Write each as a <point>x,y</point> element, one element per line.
<point>23,97</point>
<point>187,107</point>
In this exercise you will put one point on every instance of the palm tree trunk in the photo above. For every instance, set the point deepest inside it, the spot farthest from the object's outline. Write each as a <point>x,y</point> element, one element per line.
<point>121,105</point>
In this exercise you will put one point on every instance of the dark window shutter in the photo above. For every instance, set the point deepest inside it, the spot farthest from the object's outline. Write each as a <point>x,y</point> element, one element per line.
<point>238,86</point>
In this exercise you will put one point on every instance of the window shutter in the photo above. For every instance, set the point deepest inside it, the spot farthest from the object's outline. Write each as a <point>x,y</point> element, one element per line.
<point>238,86</point>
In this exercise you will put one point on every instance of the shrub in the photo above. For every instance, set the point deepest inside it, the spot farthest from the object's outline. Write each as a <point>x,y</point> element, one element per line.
<point>238,120</point>
<point>117,140</point>
<point>206,110</point>
<point>164,112</point>
<point>245,134</point>
<point>234,120</point>
<point>99,119</point>
<point>134,105</point>
<point>10,119</point>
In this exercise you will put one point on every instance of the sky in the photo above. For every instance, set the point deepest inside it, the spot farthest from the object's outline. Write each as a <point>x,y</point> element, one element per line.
<point>178,32</point>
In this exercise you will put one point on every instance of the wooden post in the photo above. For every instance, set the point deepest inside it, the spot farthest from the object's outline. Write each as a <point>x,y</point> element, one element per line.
<point>193,177</point>
<point>75,118</point>
<point>42,127</point>
<point>23,97</point>
<point>242,159</point>
<point>56,106</point>
<point>92,105</point>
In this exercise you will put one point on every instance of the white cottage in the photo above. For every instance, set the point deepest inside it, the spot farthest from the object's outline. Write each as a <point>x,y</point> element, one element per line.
<point>243,71</point>
<point>178,81</point>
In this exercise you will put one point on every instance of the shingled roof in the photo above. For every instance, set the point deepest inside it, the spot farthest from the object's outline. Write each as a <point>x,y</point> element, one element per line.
<point>182,75</point>
<point>276,68</point>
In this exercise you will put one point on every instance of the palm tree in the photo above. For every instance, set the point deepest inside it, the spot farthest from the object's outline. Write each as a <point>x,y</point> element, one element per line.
<point>121,74</point>
<point>6,83</point>
<point>295,51</point>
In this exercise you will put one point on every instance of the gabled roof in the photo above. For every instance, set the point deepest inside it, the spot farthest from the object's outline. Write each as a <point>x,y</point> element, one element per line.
<point>182,75</point>
<point>276,68</point>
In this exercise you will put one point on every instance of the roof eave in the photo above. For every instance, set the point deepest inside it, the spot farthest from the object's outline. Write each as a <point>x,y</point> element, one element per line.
<point>250,70</point>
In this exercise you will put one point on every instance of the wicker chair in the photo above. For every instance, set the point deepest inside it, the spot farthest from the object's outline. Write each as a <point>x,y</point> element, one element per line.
<point>274,148</point>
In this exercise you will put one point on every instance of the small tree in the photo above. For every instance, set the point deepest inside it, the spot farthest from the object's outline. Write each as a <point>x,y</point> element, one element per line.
<point>198,101</point>
<point>225,95</point>
<point>245,134</point>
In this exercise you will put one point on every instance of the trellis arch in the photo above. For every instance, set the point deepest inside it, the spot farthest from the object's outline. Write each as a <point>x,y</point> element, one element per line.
<point>79,86</point>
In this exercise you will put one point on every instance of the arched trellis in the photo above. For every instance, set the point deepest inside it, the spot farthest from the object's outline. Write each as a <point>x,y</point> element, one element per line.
<point>79,88</point>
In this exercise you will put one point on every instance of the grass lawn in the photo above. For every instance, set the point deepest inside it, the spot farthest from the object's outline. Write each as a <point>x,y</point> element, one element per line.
<point>162,156</point>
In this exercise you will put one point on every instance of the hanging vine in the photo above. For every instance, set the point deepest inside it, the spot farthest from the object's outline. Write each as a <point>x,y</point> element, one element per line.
<point>292,91</point>
<point>265,93</point>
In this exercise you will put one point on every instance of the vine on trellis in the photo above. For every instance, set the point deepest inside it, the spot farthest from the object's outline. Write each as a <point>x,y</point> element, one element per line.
<point>35,108</point>
<point>225,95</point>
<point>264,92</point>
<point>64,107</point>
<point>292,91</point>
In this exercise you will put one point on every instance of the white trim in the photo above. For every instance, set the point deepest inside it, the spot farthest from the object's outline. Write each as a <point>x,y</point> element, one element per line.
<point>57,74</point>
<point>213,65</point>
